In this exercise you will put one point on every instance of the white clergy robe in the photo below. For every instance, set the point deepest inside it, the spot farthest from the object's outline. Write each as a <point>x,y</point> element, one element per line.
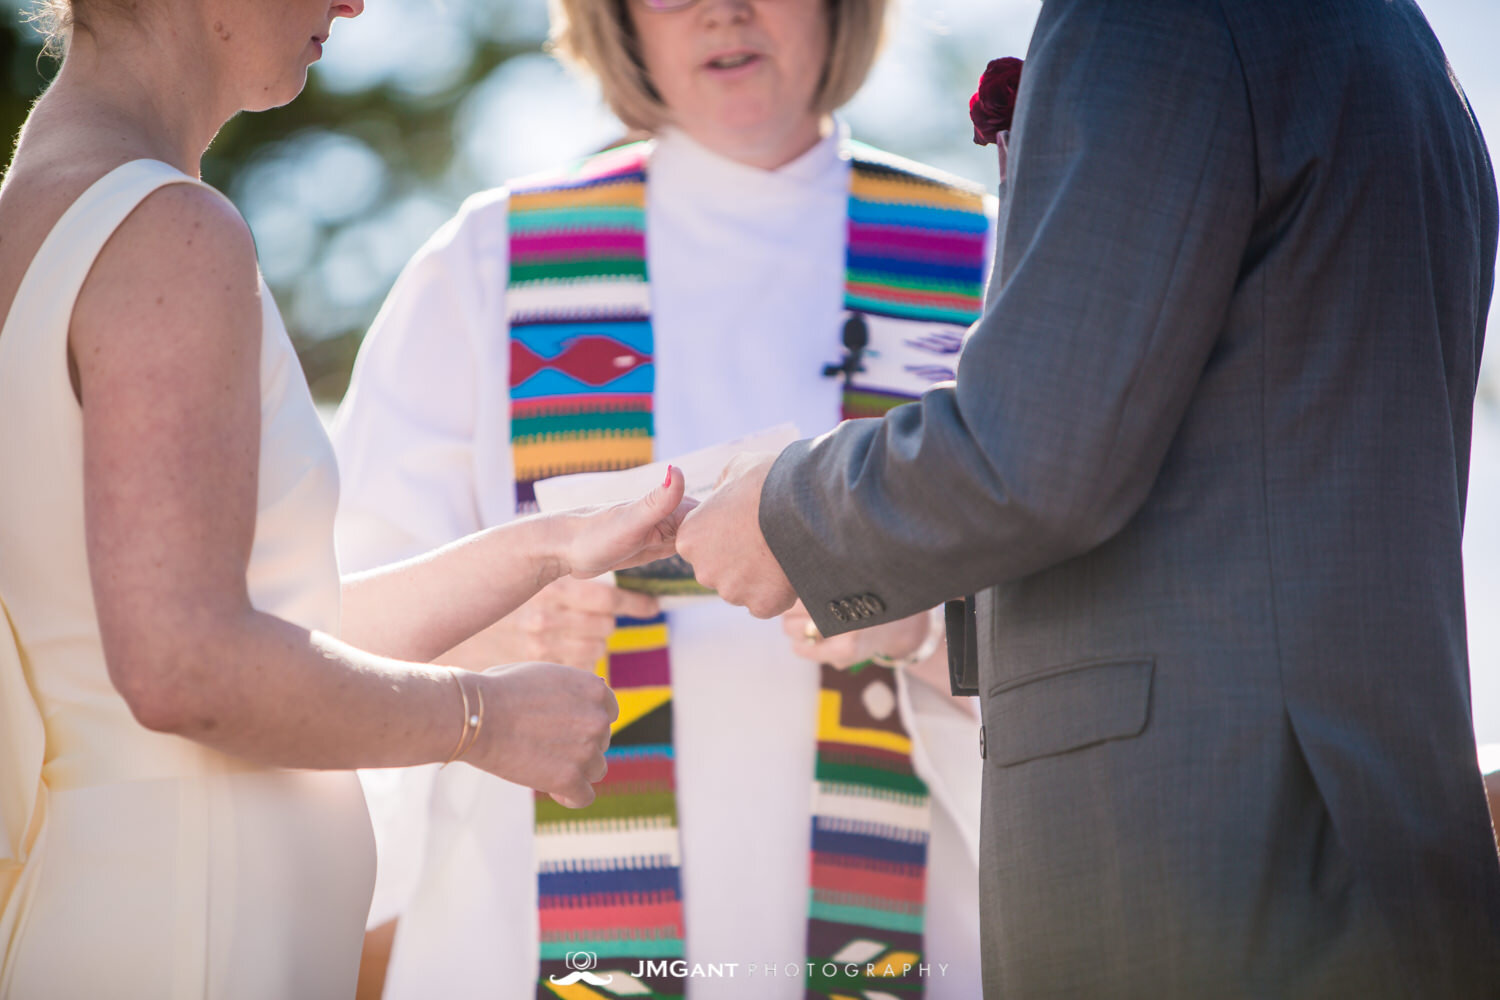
<point>747,277</point>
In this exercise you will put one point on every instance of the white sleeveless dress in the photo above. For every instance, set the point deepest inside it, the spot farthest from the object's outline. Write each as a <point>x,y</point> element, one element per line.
<point>135,864</point>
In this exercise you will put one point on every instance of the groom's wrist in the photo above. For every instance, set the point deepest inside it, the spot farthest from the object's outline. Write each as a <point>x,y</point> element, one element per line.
<point>922,635</point>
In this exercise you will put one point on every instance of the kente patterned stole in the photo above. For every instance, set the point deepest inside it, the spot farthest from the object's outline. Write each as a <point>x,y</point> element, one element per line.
<point>578,303</point>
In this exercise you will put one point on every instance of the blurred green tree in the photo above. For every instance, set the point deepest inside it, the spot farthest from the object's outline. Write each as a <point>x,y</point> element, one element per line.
<point>26,71</point>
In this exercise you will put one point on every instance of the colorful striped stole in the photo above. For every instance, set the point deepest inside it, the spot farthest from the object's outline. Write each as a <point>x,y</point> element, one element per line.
<point>581,380</point>
<point>915,281</point>
<point>578,302</point>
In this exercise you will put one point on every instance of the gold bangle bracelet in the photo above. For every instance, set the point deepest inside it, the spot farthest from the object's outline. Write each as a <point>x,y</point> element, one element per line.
<point>463,736</point>
<point>476,721</point>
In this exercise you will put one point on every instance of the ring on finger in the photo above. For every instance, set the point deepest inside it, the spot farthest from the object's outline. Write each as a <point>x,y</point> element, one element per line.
<point>810,634</point>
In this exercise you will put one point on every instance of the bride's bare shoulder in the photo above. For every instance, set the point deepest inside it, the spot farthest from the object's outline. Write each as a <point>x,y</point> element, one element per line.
<point>183,221</point>
<point>176,290</point>
<point>177,232</point>
<point>183,258</point>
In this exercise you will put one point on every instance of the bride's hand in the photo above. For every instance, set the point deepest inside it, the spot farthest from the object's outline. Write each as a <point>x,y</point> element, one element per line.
<point>546,726</point>
<point>629,533</point>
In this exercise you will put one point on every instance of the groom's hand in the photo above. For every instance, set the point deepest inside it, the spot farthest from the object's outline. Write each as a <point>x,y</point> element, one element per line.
<point>721,539</point>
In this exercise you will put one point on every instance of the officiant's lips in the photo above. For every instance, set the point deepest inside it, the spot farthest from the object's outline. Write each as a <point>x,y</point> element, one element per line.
<point>731,64</point>
<point>318,41</point>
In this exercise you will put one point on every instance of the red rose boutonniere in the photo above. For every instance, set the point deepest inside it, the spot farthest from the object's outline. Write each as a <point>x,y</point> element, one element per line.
<point>994,103</point>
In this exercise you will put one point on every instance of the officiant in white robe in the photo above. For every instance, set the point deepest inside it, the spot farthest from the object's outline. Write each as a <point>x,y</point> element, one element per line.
<point>423,444</point>
<point>749,279</point>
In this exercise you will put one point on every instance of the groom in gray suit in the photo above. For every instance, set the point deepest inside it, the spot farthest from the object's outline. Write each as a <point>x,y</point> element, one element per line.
<point>1204,465</point>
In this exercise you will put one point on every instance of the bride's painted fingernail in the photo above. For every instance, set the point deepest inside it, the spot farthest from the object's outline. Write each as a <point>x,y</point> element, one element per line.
<point>668,480</point>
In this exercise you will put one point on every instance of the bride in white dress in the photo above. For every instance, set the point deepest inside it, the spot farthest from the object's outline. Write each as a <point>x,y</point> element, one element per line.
<point>185,681</point>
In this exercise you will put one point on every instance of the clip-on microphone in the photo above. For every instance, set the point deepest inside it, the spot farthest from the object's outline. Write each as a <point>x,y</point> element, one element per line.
<point>856,338</point>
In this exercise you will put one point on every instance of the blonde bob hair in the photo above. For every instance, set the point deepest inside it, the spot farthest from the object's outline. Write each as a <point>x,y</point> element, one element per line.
<point>596,37</point>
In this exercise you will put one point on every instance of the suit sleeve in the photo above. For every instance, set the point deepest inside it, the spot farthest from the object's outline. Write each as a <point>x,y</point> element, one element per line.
<point>1132,196</point>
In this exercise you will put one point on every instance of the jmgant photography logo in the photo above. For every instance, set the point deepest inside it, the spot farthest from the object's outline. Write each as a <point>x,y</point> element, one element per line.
<point>582,963</point>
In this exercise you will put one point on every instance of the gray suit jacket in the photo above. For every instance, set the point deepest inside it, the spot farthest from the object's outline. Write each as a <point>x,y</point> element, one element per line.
<point>1205,463</point>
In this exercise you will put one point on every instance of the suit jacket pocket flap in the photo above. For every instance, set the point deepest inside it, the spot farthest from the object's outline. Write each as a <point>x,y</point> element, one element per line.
<point>1068,709</point>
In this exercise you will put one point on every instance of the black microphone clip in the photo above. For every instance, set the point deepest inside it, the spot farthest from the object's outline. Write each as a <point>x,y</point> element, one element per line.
<point>856,339</point>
